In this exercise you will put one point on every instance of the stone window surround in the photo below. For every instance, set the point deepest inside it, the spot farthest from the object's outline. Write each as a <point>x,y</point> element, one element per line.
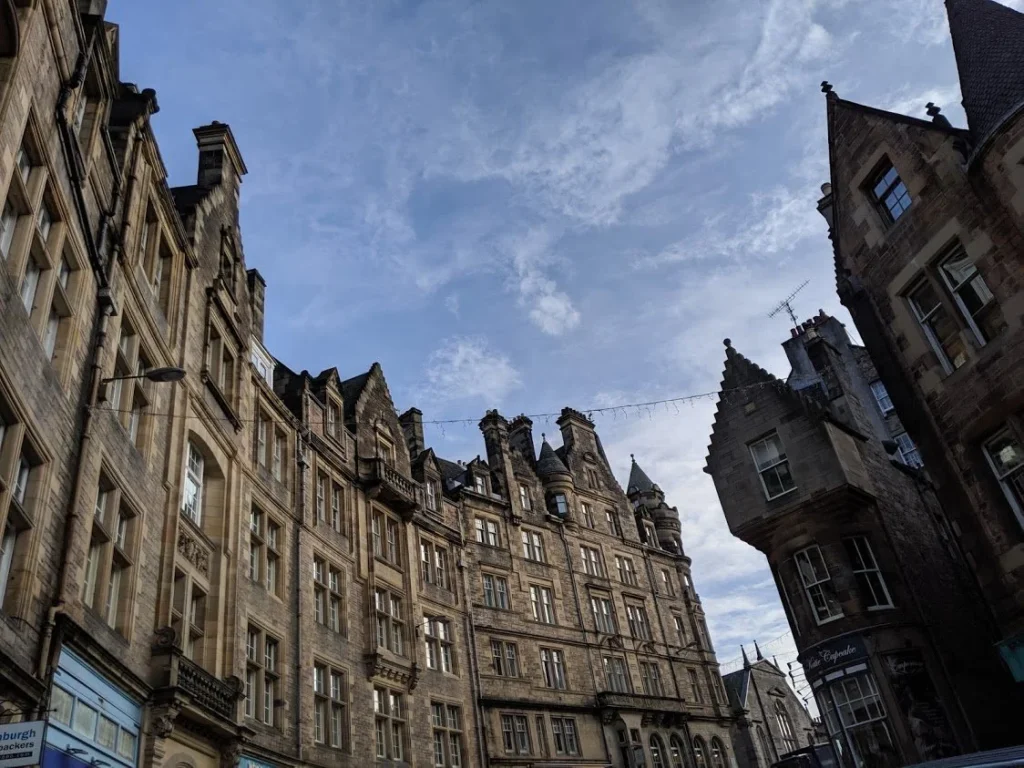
<point>18,520</point>
<point>977,245</point>
<point>50,297</point>
<point>112,554</point>
<point>866,212</point>
<point>271,548</point>
<point>497,577</point>
<point>436,568</point>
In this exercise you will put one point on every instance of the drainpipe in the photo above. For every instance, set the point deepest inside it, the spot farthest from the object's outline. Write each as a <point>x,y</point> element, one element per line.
<point>474,666</point>
<point>301,465</point>
<point>579,616</point>
<point>106,308</point>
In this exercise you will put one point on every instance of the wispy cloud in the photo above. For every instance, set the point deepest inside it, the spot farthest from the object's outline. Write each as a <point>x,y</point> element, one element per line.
<point>465,368</point>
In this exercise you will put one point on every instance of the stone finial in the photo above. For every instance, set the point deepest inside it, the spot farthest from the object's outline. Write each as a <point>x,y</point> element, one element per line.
<point>760,657</point>
<point>826,87</point>
<point>935,113</point>
<point>728,343</point>
<point>746,661</point>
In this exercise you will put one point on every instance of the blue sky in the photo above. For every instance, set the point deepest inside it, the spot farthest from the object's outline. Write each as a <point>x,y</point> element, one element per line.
<point>532,204</point>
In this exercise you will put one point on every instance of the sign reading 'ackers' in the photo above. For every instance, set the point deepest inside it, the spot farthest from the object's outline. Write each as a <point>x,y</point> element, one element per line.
<point>20,744</point>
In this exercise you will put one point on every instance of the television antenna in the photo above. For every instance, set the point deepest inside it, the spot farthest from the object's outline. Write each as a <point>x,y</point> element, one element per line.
<point>787,304</point>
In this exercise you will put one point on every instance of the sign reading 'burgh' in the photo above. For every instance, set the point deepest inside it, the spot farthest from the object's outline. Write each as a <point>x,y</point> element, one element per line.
<point>833,653</point>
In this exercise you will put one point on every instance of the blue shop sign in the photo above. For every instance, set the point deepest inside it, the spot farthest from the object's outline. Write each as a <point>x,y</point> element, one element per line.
<point>251,762</point>
<point>92,721</point>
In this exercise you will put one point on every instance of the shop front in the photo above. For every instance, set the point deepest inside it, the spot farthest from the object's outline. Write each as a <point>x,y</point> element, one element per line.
<point>882,710</point>
<point>92,722</point>
<point>850,703</point>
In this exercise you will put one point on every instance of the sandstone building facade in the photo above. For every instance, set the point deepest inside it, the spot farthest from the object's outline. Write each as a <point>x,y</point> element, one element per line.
<point>879,598</point>
<point>209,559</point>
<point>925,220</point>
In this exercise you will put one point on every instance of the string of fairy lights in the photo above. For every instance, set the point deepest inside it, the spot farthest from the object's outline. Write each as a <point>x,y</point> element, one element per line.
<point>638,409</point>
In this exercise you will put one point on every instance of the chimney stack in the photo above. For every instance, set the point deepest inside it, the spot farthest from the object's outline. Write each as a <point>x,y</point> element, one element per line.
<point>412,428</point>
<point>219,158</point>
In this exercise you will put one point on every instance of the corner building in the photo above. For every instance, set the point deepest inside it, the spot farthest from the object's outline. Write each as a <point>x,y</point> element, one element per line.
<point>925,220</point>
<point>880,600</point>
<point>210,560</point>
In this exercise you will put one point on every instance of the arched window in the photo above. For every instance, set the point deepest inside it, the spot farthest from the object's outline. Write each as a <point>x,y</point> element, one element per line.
<point>766,749</point>
<point>699,752</point>
<point>657,752</point>
<point>202,493</point>
<point>192,493</point>
<point>717,754</point>
<point>789,741</point>
<point>676,752</point>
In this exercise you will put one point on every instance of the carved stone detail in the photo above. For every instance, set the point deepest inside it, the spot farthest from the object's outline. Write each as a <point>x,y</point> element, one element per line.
<point>194,552</point>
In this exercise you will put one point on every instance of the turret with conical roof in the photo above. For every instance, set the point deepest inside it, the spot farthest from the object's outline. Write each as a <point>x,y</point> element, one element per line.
<point>649,506</point>
<point>549,465</point>
<point>988,40</point>
<point>559,487</point>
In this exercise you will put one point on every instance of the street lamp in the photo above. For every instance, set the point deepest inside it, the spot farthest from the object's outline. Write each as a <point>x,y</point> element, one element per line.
<point>164,375</point>
<point>160,375</point>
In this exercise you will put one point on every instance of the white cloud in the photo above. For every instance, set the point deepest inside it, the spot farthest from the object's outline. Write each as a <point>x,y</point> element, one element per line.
<point>465,368</point>
<point>451,303</point>
<point>548,308</point>
<point>911,100</point>
<point>778,221</point>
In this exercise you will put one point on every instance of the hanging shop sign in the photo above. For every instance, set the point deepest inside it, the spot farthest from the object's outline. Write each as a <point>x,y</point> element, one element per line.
<point>839,652</point>
<point>21,743</point>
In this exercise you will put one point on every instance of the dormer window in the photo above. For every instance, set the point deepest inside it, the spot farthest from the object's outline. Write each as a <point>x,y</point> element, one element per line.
<point>333,419</point>
<point>386,450</point>
<point>479,484</point>
<point>432,495</point>
<point>889,193</point>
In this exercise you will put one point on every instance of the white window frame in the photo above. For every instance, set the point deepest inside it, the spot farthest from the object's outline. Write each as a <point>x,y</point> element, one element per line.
<point>813,586</point>
<point>956,251</point>
<point>907,451</point>
<point>552,662</point>
<point>593,563</point>
<point>195,471</point>
<point>924,319</point>
<point>782,459</point>
<point>882,397</point>
<point>542,601</point>
<point>1014,497</point>
<point>864,566</point>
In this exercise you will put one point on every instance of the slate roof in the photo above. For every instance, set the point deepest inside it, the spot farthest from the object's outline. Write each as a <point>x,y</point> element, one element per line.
<point>549,463</point>
<point>450,470</point>
<point>638,479</point>
<point>736,687</point>
<point>988,40</point>
<point>188,197</point>
<point>350,391</point>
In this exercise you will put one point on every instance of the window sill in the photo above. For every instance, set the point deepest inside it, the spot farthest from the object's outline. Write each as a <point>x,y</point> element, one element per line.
<point>780,495</point>
<point>221,399</point>
<point>875,608</point>
<point>823,622</point>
